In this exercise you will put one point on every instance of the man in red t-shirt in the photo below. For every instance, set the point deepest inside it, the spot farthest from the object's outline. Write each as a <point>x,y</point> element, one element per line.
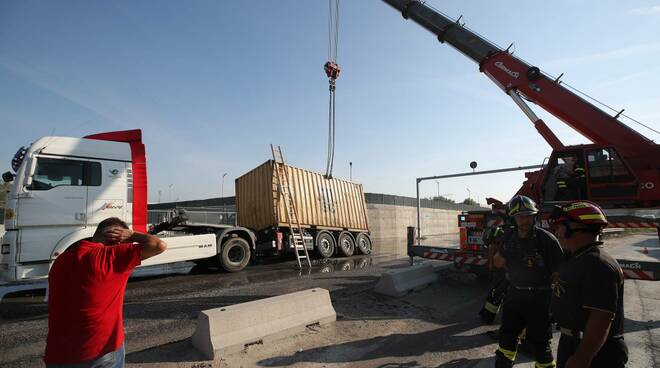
<point>86,292</point>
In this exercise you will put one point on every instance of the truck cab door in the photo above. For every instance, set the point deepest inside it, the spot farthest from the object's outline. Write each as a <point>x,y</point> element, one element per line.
<point>51,204</point>
<point>110,197</point>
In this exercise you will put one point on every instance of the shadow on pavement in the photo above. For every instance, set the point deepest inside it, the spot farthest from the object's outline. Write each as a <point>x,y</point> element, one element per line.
<point>175,352</point>
<point>631,325</point>
<point>443,339</point>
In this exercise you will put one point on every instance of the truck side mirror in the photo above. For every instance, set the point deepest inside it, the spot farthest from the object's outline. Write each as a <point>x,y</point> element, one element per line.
<point>7,177</point>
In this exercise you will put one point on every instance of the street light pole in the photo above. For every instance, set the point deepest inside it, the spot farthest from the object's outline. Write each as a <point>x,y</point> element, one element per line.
<point>350,164</point>
<point>170,194</point>
<point>222,187</point>
<point>469,193</point>
<point>438,182</point>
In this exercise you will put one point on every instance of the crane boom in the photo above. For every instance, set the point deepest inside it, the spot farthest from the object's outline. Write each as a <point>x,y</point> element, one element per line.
<point>514,75</point>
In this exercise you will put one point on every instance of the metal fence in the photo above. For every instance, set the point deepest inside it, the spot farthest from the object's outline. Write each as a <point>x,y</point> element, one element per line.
<point>208,216</point>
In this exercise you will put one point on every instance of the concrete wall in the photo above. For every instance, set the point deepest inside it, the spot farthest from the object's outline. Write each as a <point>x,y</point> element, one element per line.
<point>388,225</point>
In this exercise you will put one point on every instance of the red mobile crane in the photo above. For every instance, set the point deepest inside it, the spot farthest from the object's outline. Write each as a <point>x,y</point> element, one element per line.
<point>621,167</point>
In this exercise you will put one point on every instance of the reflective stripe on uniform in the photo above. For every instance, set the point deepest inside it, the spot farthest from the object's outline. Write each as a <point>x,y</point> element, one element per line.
<point>492,308</point>
<point>511,355</point>
<point>545,365</point>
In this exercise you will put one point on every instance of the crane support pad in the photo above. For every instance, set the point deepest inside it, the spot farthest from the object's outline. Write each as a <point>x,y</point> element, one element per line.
<point>401,281</point>
<point>229,329</point>
<point>639,270</point>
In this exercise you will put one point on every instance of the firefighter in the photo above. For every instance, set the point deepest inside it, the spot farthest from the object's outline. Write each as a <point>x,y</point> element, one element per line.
<point>530,256</point>
<point>570,180</point>
<point>587,300</point>
<point>580,182</point>
<point>492,238</point>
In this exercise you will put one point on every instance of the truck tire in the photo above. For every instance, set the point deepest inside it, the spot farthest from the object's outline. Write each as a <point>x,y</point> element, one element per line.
<point>363,243</point>
<point>346,243</point>
<point>235,254</point>
<point>325,244</point>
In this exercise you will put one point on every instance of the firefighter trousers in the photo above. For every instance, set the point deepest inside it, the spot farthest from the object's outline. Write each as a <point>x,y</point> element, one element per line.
<point>528,309</point>
<point>495,296</point>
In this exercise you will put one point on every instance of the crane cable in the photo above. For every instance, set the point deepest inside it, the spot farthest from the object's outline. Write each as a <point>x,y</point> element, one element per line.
<point>331,69</point>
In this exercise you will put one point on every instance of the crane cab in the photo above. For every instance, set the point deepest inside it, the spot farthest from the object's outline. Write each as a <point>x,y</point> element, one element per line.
<point>591,172</point>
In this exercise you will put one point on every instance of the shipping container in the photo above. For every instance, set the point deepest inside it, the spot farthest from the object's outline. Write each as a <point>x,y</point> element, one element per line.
<point>326,208</point>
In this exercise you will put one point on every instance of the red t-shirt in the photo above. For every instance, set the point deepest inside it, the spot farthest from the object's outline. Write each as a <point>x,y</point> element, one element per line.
<point>85,297</point>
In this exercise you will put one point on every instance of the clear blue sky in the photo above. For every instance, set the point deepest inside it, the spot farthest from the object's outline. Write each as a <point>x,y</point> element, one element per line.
<point>213,83</point>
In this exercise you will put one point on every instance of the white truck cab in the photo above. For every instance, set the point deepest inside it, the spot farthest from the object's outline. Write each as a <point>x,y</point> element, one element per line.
<point>63,187</point>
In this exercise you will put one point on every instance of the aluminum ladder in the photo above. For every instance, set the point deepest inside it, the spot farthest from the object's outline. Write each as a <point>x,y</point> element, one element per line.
<point>290,205</point>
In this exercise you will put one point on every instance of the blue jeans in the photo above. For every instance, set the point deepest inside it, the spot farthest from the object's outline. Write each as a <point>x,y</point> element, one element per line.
<point>113,359</point>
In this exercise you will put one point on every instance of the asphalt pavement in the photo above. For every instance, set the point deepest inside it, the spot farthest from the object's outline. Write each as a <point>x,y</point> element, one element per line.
<point>434,327</point>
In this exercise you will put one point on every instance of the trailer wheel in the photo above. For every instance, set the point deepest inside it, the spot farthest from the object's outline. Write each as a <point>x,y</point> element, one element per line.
<point>325,244</point>
<point>363,243</point>
<point>346,243</point>
<point>235,254</point>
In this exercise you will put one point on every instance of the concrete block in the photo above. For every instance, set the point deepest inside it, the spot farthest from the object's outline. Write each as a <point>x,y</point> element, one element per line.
<point>400,281</point>
<point>229,329</point>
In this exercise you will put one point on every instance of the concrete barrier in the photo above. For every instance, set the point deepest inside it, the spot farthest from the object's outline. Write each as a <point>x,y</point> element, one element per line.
<point>229,329</point>
<point>400,281</point>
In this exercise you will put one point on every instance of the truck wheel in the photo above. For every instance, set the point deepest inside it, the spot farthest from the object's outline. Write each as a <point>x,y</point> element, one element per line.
<point>346,243</point>
<point>325,244</point>
<point>363,243</point>
<point>235,254</point>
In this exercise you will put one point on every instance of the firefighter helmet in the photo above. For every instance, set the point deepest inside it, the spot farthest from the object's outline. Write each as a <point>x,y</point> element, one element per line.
<point>521,205</point>
<point>583,212</point>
